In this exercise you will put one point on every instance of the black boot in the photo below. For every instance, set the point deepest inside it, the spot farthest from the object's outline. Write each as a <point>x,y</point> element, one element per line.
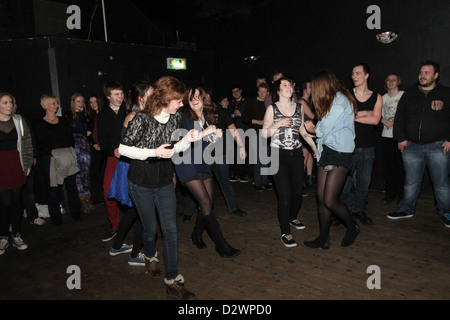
<point>222,246</point>
<point>196,235</point>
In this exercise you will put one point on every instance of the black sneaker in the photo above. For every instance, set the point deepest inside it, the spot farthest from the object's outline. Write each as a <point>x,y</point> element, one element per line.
<point>297,224</point>
<point>258,188</point>
<point>244,180</point>
<point>399,214</point>
<point>267,186</point>
<point>362,217</point>
<point>111,233</point>
<point>233,179</point>
<point>288,240</point>
<point>239,212</point>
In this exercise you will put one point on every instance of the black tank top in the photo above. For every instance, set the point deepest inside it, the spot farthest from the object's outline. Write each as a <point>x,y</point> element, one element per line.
<point>365,133</point>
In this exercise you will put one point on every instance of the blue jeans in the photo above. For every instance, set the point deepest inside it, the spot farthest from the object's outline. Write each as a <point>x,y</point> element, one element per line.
<point>163,200</point>
<point>363,159</point>
<point>415,158</point>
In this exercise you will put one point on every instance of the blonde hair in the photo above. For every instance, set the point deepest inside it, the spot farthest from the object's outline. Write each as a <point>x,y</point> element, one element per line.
<point>73,111</point>
<point>2,94</point>
<point>46,97</point>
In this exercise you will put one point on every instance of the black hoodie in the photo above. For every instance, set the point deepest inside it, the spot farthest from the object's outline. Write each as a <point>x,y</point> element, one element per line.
<point>416,120</point>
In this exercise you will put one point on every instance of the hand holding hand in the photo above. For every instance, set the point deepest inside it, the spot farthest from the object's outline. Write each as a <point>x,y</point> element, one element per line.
<point>193,135</point>
<point>163,152</point>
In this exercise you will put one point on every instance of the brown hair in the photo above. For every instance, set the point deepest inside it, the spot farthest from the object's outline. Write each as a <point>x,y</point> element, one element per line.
<point>166,89</point>
<point>324,88</point>
<point>208,106</point>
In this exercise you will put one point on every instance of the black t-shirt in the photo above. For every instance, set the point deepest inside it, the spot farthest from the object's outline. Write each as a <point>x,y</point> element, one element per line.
<point>365,133</point>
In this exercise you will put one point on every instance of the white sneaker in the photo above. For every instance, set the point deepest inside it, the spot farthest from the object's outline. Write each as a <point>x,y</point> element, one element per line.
<point>4,243</point>
<point>39,221</point>
<point>18,242</point>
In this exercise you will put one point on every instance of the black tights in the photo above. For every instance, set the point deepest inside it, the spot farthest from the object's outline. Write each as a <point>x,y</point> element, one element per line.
<point>202,191</point>
<point>10,211</point>
<point>329,187</point>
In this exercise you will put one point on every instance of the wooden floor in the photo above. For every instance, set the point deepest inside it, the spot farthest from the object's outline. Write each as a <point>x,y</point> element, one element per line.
<point>413,257</point>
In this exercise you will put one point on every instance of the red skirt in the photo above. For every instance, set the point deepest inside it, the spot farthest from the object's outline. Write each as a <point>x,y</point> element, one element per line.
<point>11,173</point>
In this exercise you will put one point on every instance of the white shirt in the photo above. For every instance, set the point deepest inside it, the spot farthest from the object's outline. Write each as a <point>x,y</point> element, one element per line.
<point>388,112</point>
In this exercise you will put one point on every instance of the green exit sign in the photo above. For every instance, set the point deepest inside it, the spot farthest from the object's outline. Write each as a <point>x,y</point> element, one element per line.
<point>176,63</point>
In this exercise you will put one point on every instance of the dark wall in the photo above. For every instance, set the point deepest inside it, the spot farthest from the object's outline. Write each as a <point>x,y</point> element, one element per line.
<point>302,37</point>
<point>85,66</point>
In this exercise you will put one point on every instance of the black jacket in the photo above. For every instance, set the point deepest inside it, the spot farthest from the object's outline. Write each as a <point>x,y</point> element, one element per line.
<point>415,119</point>
<point>109,126</point>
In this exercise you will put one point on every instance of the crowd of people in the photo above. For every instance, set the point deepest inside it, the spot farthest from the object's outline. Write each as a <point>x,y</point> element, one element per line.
<point>165,136</point>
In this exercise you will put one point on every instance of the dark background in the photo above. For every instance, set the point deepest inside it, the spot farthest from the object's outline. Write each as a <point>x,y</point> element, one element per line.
<point>297,37</point>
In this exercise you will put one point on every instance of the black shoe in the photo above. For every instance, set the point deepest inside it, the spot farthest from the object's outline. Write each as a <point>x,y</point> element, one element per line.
<point>244,179</point>
<point>239,212</point>
<point>288,240</point>
<point>362,217</point>
<point>186,218</point>
<point>267,186</point>
<point>111,233</point>
<point>319,242</point>
<point>350,236</point>
<point>297,224</point>
<point>258,188</point>
<point>399,214</point>
<point>233,179</point>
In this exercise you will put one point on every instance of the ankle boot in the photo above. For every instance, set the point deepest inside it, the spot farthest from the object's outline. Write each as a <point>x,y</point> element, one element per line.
<point>319,242</point>
<point>223,248</point>
<point>152,266</point>
<point>196,235</point>
<point>310,181</point>
<point>350,235</point>
<point>175,289</point>
<point>84,208</point>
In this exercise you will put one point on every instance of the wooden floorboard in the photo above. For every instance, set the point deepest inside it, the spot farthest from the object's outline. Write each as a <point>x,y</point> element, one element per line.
<point>413,256</point>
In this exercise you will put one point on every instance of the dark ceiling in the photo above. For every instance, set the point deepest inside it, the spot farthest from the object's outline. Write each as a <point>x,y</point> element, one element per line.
<point>175,14</point>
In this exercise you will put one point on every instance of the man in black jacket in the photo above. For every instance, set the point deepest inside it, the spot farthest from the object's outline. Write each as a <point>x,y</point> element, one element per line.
<point>422,130</point>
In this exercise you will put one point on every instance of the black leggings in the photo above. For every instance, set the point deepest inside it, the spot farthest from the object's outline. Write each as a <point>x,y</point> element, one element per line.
<point>10,213</point>
<point>329,188</point>
<point>289,186</point>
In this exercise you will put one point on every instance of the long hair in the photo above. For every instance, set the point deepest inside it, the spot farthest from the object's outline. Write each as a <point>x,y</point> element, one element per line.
<point>208,106</point>
<point>2,94</point>
<point>138,91</point>
<point>166,89</point>
<point>73,111</point>
<point>324,87</point>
